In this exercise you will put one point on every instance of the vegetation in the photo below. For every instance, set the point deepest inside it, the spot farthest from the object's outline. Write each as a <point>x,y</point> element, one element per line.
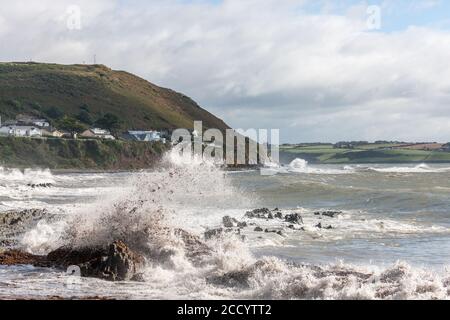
<point>78,154</point>
<point>95,94</point>
<point>367,153</point>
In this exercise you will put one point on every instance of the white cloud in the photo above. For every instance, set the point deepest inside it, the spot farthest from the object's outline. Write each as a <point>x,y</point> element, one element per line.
<point>256,63</point>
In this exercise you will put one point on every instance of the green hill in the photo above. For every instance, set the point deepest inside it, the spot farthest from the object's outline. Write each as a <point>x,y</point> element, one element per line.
<point>89,92</point>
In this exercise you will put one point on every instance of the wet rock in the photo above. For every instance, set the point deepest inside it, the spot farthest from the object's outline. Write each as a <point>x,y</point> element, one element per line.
<point>214,233</point>
<point>16,257</point>
<point>242,224</point>
<point>280,233</point>
<point>115,263</point>
<point>320,226</point>
<point>39,185</point>
<point>331,214</point>
<point>262,213</point>
<point>258,229</point>
<point>294,218</point>
<point>270,216</point>
<point>279,215</point>
<point>229,222</point>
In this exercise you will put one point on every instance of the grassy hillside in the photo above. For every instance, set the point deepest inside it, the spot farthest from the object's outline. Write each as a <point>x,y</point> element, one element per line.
<point>88,92</point>
<point>363,154</point>
<point>78,154</point>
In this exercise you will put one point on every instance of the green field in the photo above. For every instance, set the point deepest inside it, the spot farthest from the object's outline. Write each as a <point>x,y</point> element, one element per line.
<point>371,153</point>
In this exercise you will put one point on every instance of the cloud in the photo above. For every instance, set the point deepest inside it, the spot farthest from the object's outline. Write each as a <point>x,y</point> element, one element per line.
<point>266,64</point>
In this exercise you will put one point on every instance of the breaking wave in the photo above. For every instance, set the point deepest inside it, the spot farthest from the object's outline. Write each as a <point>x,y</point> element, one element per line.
<point>148,218</point>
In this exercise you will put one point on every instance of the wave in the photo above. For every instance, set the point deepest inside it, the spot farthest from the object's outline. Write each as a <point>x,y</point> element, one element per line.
<point>34,176</point>
<point>148,209</point>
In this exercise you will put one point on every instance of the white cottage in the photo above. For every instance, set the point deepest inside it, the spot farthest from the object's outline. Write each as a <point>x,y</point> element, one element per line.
<point>20,131</point>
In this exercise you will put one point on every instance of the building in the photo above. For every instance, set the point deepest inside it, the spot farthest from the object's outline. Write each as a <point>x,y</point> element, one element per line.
<point>20,131</point>
<point>52,133</point>
<point>145,136</point>
<point>30,121</point>
<point>96,133</point>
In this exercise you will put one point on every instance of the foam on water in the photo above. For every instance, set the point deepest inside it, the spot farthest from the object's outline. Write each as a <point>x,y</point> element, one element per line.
<point>146,210</point>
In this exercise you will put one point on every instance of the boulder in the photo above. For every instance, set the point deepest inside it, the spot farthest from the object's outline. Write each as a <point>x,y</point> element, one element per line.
<point>229,222</point>
<point>259,229</point>
<point>210,234</point>
<point>115,263</point>
<point>330,214</point>
<point>294,218</point>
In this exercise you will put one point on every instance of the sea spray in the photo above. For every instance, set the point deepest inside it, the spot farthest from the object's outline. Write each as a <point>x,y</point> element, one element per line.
<point>147,215</point>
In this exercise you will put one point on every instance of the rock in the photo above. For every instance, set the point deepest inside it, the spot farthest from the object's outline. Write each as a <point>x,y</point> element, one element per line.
<point>242,224</point>
<point>279,215</point>
<point>258,229</point>
<point>320,226</point>
<point>39,185</point>
<point>258,213</point>
<point>331,214</point>
<point>16,257</point>
<point>214,233</point>
<point>229,222</point>
<point>280,233</point>
<point>270,216</point>
<point>291,226</point>
<point>294,218</point>
<point>116,263</point>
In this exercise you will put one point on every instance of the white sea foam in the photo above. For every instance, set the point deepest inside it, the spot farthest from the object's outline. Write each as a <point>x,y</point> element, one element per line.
<point>178,195</point>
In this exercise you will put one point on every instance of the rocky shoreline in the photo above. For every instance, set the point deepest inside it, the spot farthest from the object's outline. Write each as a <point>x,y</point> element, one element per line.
<point>118,261</point>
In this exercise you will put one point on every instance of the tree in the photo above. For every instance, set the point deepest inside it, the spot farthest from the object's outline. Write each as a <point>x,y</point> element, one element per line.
<point>71,124</point>
<point>85,117</point>
<point>54,113</point>
<point>109,121</point>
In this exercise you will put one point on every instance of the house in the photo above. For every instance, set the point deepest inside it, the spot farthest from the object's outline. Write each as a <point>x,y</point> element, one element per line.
<point>52,133</point>
<point>446,147</point>
<point>28,120</point>
<point>96,133</point>
<point>145,136</point>
<point>20,131</point>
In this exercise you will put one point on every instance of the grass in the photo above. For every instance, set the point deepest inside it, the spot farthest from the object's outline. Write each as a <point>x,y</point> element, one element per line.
<point>34,88</point>
<point>78,154</point>
<point>364,154</point>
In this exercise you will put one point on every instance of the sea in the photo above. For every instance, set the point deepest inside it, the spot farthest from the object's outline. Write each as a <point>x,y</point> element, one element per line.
<point>390,239</point>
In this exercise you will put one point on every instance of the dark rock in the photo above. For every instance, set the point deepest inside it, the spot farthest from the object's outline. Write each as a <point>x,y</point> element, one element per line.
<point>39,185</point>
<point>320,226</point>
<point>279,215</point>
<point>331,214</point>
<point>213,233</point>
<point>258,213</point>
<point>258,229</point>
<point>242,224</point>
<point>116,263</point>
<point>270,216</point>
<point>294,218</point>
<point>229,222</point>
<point>291,226</point>
<point>280,233</point>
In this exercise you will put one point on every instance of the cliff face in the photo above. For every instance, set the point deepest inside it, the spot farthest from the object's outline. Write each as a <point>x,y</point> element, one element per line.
<point>79,154</point>
<point>51,90</point>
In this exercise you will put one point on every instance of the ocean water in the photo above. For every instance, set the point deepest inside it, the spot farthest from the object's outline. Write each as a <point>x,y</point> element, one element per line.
<point>392,240</point>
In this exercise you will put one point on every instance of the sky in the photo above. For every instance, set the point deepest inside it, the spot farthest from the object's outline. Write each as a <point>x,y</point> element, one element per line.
<point>317,70</point>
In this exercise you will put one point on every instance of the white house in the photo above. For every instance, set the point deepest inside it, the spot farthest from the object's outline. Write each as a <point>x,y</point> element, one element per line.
<point>27,120</point>
<point>98,134</point>
<point>20,131</point>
